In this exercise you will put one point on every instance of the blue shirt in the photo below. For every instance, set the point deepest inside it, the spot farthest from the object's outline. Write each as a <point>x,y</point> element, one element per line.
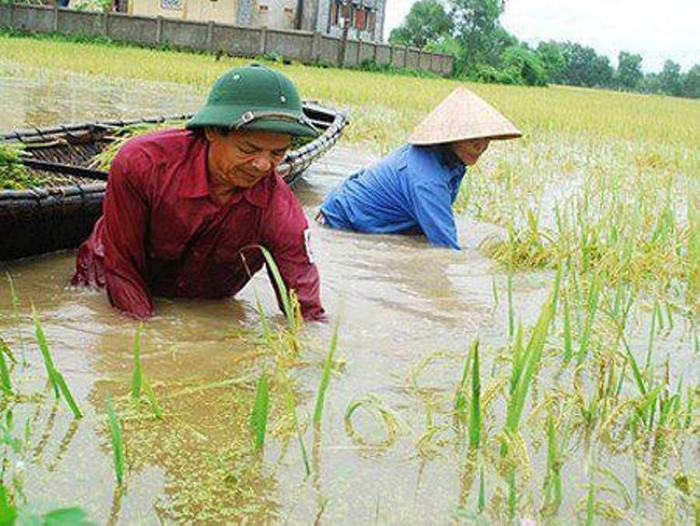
<point>410,190</point>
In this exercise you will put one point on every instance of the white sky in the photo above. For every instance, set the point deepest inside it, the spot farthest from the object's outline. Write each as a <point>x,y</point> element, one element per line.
<point>656,30</point>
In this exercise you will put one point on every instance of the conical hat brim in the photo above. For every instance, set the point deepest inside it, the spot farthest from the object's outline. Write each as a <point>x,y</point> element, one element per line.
<point>463,115</point>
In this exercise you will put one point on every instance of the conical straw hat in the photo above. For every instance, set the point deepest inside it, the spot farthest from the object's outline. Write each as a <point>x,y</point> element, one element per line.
<point>463,115</point>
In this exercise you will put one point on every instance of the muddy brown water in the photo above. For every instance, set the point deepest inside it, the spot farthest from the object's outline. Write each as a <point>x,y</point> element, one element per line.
<point>398,301</point>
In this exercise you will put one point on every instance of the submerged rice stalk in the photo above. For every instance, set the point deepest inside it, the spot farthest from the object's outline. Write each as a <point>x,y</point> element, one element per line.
<point>258,419</point>
<point>152,400</point>
<point>117,444</point>
<point>375,407</point>
<point>694,243</point>
<point>45,353</point>
<point>137,376</point>
<point>68,396</point>
<point>283,294</point>
<point>475,415</point>
<point>5,383</point>
<point>55,378</point>
<point>139,382</point>
<point>291,407</point>
<point>526,362</point>
<point>325,378</point>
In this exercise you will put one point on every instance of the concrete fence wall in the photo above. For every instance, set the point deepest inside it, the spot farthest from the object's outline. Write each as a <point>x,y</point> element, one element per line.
<point>303,46</point>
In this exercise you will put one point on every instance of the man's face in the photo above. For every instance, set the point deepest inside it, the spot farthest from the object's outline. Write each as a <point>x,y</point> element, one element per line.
<point>470,150</point>
<point>242,158</point>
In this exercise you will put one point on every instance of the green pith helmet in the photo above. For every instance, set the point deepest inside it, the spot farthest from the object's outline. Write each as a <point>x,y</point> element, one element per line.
<point>254,97</point>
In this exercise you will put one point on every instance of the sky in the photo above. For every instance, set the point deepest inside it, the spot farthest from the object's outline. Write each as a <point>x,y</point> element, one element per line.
<point>655,30</point>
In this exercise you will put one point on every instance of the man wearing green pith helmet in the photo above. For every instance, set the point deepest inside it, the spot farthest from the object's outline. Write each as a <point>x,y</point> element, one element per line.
<point>185,209</point>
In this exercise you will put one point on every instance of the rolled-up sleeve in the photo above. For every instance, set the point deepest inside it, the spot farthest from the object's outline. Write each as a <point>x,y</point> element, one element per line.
<point>287,236</point>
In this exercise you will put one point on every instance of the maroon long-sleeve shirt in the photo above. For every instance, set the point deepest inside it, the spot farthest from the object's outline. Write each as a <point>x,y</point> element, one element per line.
<point>161,234</point>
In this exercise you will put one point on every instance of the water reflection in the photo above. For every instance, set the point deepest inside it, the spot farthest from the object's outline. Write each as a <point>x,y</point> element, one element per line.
<point>42,98</point>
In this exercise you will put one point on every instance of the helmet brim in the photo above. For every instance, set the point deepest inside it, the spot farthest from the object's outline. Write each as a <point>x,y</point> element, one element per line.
<point>228,116</point>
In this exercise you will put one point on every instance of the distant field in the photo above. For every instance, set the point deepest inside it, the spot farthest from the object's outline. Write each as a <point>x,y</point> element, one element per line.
<point>385,107</point>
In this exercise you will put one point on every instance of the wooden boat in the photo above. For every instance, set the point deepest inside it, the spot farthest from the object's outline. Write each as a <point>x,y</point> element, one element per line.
<point>61,215</point>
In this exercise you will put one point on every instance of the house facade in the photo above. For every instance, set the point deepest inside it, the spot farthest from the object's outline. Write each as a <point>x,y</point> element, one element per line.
<point>364,18</point>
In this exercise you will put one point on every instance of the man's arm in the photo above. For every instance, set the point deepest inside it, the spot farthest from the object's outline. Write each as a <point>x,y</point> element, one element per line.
<point>286,235</point>
<point>126,213</point>
<point>432,206</point>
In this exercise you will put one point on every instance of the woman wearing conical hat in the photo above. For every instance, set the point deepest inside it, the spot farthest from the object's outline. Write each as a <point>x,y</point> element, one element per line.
<point>413,188</point>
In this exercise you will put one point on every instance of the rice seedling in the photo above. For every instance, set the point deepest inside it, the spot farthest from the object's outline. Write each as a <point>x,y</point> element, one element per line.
<point>139,381</point>
<point>103,160</point>
<point>152,400</point>
<point>55,378</point>
<point>694,242</point>
<point>475,415</point>
<point>285,297</point>
<point>117,443</point>
<point>292,410</point>
<point>137,375</point>
<point>259,416</point>
<point>5,381</point>
<point>526,362</point>
<point>13,174</point>
<point>325,378</point>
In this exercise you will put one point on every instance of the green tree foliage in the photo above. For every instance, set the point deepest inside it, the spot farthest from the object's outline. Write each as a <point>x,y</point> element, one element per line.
<point>526,64</point>
<point>553,61</point>
<point>691,82</point>
<point>479,32</point>
<point>651,83</point>
<point>426,23</point>
<point>671,79</point>
<point>629,70</point>
<point>582,65</point>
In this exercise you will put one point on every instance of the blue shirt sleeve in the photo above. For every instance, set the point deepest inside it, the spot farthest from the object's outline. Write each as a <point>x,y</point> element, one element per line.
<point>432,205</point>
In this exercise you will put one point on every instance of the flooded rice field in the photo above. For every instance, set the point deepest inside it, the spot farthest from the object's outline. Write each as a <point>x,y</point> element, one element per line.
<point>395,444</point>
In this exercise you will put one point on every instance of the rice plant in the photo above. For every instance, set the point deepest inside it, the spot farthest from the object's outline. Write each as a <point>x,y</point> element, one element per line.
<point>55,378</point>
<point>259,416</point>
<point>292,410</point>
<point>117,442</point>
<point>374,406</point>
<point>5,381</point>
<point>325,378</point>
<point>137,375</point>
<point>526,362</point>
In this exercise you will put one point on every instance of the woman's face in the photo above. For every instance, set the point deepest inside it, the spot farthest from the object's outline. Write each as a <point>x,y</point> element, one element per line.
<point>469,150</point>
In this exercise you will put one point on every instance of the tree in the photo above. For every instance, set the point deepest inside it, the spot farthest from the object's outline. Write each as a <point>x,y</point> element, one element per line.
<point>528,65</point>
<point>629,70</point>
<point>671,79</point>
<point>581,65</point>
<point>479,32</point>
<point>552,58</point>
<point>602,72</point>
<point>651,83</point>
<point>691,82</point>
<point>426,23</point>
